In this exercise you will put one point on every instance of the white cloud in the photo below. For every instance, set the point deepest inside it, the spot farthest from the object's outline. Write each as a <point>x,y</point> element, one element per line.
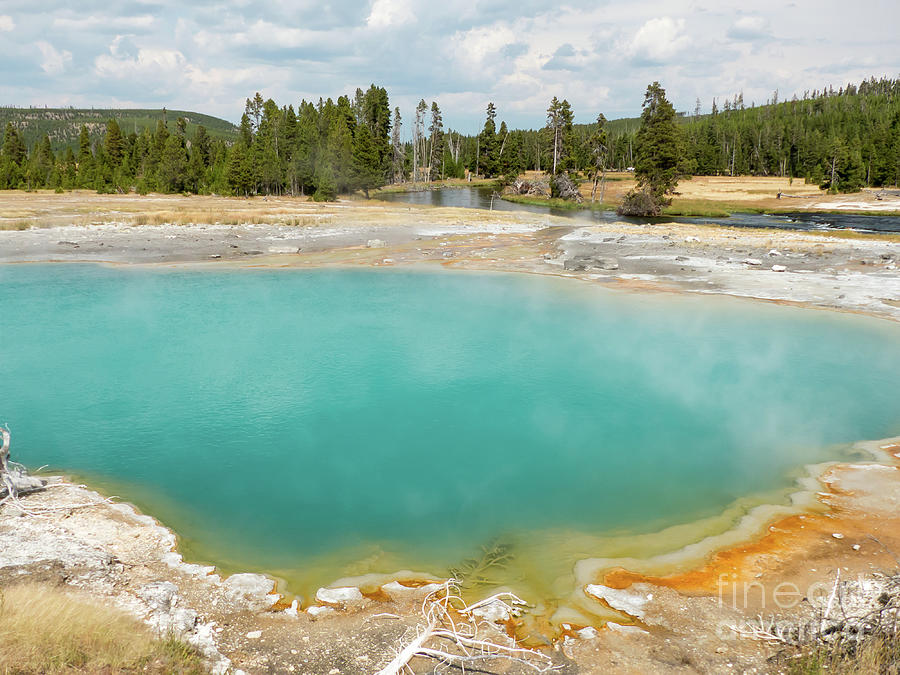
<point>387,13</point>
<point>749,28</point>
<point>658,40</point>
<point>517,53</point>
<point>149,63</point>
<point>479,49</point>
<point>54,61</point>
<point>105,23</point>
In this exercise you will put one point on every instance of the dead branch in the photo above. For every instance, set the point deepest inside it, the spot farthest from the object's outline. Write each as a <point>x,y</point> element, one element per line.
<point>16,482</point>
<point>451,623</point>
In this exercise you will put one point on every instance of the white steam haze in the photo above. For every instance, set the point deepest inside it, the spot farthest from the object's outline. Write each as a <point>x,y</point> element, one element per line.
<point>210,56</point>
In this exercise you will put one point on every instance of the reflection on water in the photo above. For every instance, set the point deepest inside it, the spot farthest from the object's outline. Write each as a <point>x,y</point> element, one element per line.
<point>481,198</point>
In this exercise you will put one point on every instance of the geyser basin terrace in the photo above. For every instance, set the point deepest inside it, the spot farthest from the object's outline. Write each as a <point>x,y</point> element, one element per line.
<point>331,423</point>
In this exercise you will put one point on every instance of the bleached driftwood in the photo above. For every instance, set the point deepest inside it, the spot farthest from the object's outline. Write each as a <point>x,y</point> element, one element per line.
<point>450,634</point>
<point>854,610</point>
<point>15,482</point>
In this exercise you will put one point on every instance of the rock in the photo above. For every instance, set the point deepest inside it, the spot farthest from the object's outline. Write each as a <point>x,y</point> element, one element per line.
<point>160,595</point>
<point>375,243</point>
<point>178,621</point>
<point>773,252</point>
<point>254,590</point>
<point>342,595</point>
<point>630,601</point>
<point>496,611</point>
<point>284,249</point>
<point>623,628</point>
<point>752,261</point>
<point>254,635</point>
<point>837,535</point>
<point>779,268</point>
<point>586,262</point>
<point>856,547</point>
<point>317,611</point>
<point>588,633</point>
<point>398,591</point>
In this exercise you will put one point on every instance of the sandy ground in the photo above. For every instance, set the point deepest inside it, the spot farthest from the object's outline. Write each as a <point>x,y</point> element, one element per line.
<point>679,622</point>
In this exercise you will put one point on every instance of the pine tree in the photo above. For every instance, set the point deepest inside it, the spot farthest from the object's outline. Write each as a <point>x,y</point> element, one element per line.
<point>13,145</point>
<point>172,165</point>
<point>85,159</point>
<point>656,162</point>
<point>367,172</point>
<point>488,147</point>
<point>326,187</point>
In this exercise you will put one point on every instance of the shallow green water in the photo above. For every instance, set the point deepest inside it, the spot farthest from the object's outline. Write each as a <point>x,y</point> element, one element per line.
<point>333,422</point>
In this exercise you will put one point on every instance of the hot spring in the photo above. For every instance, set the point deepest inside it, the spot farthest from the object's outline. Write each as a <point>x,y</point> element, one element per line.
<point>323,424</point>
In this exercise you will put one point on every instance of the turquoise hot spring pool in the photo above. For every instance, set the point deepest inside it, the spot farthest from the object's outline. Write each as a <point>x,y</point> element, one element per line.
<point>320,424</point>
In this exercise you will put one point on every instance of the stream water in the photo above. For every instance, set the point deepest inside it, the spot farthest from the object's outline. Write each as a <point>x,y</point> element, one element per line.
<point>482,198</point>
<point>329,423</point>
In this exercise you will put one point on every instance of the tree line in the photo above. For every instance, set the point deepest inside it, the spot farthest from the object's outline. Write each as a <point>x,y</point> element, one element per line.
<point>841,140</point>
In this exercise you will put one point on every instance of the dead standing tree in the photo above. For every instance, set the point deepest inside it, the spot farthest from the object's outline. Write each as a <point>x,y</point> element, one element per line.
<point>599,155</point>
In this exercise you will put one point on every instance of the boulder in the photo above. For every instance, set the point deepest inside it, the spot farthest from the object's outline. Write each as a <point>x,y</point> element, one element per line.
<point>631,601</point>
<point>343,595</point>
<point>253,590</point>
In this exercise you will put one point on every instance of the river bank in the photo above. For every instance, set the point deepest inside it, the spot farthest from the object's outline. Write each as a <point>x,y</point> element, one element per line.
<point>822,269</point>
<point>113,552</point>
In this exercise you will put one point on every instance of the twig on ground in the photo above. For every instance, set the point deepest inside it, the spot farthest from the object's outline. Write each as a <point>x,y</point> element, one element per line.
<point>451,622</point>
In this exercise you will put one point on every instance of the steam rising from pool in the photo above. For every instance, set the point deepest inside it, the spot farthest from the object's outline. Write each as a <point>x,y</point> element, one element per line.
<point>323,424</point>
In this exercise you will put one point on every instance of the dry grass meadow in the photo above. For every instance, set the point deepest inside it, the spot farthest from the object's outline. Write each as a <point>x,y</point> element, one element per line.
<point>44,629</point>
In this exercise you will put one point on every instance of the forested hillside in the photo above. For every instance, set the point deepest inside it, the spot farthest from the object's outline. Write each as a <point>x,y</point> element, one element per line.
<point>841,140</point>
<point>847,138</point>
<point>63,125</point>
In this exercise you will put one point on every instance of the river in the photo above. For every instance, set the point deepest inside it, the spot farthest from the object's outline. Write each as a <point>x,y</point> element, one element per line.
<point>482,198</point>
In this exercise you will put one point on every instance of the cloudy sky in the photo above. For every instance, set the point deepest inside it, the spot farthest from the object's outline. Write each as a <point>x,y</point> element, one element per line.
<point>209,56</point>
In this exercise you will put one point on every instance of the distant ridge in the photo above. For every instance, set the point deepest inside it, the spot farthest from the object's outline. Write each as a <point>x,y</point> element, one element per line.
<point>64,124</point>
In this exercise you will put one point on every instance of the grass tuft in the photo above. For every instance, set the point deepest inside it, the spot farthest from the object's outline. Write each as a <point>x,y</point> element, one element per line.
<point>44,629</point>
<point>877,655</point>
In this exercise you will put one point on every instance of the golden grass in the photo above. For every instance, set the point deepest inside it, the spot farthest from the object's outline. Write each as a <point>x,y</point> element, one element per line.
<point>225,217</point>
<point>876,655</point>
<point>44,629</point>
